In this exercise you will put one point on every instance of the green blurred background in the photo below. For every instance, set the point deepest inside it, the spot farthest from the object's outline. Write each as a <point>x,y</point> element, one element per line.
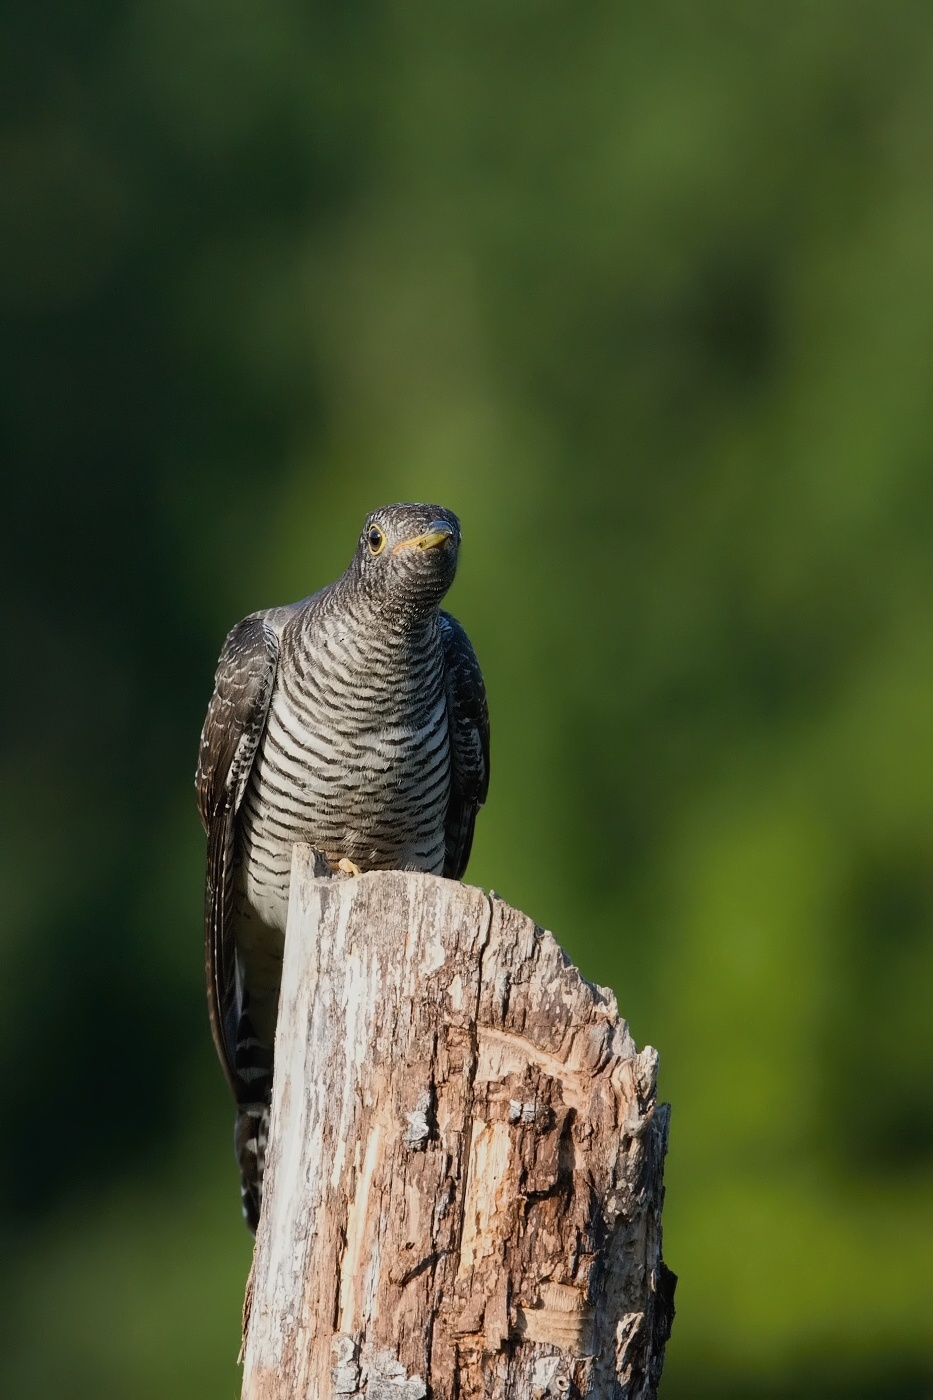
<point>645,293</point>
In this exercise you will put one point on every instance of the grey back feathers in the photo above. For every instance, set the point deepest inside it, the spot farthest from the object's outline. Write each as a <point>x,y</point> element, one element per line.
<point>356,721</point>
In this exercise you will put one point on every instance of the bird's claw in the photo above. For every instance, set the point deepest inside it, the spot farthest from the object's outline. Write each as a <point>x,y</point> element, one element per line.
<point>348,867</point>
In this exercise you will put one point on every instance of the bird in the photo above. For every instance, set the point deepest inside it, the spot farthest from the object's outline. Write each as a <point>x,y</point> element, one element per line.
<point>355,721</point>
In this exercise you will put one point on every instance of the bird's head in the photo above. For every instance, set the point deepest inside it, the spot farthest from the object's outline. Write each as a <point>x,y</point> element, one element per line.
<point>407,555</point>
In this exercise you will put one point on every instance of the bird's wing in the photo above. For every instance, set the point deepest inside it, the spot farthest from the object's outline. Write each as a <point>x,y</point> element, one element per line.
<point>236,718</point>
<point>468,721</point>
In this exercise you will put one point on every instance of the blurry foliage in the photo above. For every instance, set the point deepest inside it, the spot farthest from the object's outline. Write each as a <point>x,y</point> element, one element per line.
<point>647,296</point>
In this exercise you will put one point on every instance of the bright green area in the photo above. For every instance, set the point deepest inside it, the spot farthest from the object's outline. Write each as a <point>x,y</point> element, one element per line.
<point>645,293</point>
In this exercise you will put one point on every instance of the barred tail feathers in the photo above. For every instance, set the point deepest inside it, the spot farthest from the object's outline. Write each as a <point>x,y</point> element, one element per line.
<point>253,1065</point>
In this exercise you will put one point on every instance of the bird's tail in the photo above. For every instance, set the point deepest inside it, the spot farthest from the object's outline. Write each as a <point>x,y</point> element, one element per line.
<point>250,1138</point>
<point>253,1065</point>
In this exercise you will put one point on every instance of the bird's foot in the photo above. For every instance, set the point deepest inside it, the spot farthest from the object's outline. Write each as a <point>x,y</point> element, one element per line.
<point>348,867</point>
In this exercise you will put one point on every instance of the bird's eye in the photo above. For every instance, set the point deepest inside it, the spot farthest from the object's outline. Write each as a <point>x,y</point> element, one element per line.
<point>376,539</point>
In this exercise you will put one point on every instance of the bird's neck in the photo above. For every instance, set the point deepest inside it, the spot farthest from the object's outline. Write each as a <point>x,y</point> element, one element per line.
<point>396,617</point>
<point>365,623</point>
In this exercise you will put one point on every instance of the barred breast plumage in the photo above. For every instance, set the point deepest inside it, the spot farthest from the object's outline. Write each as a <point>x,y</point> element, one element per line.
<point>355,758</point>
<point>355,721</point>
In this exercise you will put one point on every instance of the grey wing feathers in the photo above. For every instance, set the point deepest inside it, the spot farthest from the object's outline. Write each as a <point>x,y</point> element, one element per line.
<point>236,718</point>
<point>468,720</point>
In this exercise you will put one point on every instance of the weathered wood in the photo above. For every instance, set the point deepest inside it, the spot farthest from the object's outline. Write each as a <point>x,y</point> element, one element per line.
<point>464,1180</point>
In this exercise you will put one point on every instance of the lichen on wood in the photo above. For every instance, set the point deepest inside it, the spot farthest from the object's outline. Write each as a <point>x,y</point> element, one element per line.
<point>464,1176</point>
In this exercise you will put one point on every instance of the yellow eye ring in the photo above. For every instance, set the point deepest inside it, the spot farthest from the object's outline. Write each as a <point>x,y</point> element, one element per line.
<point>376,539</point>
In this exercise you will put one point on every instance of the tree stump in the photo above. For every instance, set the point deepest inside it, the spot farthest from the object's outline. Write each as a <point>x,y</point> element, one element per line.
<point>464,1179</point>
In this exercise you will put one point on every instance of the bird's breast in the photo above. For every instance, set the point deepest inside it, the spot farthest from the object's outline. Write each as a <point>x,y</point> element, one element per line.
<point>359,769</point>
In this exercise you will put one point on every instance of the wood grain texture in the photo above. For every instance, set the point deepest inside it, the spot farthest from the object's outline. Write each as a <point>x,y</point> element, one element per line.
<point>464,1178</point>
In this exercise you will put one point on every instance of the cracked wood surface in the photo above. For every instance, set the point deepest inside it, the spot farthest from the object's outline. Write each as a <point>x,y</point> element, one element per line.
<point>464,1178</point>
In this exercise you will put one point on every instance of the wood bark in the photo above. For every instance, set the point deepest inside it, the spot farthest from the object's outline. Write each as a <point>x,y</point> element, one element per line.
<point>464,1178</point>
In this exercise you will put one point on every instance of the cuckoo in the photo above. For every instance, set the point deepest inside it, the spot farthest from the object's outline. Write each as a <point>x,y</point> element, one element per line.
<point>356,721</point>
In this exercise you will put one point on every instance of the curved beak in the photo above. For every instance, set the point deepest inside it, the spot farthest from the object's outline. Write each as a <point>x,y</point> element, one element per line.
<point>437,533</point>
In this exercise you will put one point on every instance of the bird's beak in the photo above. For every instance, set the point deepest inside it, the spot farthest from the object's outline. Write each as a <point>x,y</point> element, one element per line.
<point>438,532</point>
